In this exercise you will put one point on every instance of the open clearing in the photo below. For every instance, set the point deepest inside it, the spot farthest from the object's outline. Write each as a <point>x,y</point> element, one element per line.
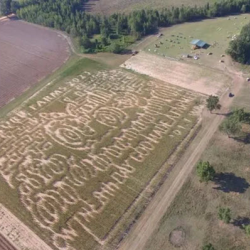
<point>217,32</point>
<point>196,206</point>
<point>28,54</point>
<point>193,77</point>
<point>111,6</point>
<point>82,156</point>
<point>242,101</point>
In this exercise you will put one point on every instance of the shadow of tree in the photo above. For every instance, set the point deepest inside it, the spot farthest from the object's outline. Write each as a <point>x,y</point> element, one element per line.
<point>245,139</point>
<point>241,222</point>
<point>229,182</point>
<point>227,114</point>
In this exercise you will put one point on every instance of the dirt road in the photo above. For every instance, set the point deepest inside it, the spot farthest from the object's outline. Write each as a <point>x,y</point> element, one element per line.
<point>137,238</point>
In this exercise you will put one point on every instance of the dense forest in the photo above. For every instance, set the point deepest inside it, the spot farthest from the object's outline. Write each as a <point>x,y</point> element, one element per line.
<point>115,32</point>
<point>239,49</point>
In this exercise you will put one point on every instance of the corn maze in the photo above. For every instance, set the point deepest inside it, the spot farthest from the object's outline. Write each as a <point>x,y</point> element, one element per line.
<point>80,155</point>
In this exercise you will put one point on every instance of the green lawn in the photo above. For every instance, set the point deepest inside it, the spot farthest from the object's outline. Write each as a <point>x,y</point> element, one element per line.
<point>217,32</point>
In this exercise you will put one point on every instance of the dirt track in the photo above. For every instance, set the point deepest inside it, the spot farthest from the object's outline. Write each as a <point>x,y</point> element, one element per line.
<point>28,54</point>
<point>139,235</point>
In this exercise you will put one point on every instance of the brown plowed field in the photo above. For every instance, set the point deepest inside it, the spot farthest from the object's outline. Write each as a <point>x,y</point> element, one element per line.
<point>5,245</point>
<point>28,53</point>
<point>111,6</point>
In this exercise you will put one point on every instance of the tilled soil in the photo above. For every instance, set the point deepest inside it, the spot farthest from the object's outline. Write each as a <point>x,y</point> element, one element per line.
<point>28,53</point>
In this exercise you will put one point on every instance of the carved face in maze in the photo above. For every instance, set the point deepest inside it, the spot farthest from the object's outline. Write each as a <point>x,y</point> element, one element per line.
<point>69,136</point>
<point>111,117</point>
<point>125,100</point>
<point>41,171</point>
<point>69,129</point>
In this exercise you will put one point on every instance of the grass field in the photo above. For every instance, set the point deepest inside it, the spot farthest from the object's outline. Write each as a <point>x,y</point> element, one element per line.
<point>217,32</point>
<point>194,212</point>
<point>78,156</point>
<point>242,101</point>
<point>195,208</point>
<point>111,6</point>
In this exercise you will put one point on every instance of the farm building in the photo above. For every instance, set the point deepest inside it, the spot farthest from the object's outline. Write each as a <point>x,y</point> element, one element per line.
<point>197,44</point>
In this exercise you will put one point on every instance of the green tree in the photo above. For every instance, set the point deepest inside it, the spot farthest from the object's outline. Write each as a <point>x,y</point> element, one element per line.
<point>14,6</point>
<point>115,48</point>
<point>104,41</point>
<point>243,8</point>
<point>240,114</point>
<point>247,229</point>
<point>5,7</point>
<point>224,214</point>
<point>86,43</point>
<point>205,171</point>
<point>231,126</point>
<point>208,247</point>
<point>213,103</point>
<point>239,49</point>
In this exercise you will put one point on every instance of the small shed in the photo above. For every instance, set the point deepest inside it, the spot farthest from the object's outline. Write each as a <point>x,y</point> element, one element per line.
<point>197,44</point>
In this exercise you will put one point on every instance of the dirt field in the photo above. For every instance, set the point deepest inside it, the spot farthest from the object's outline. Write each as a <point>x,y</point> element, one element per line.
<point>196,78</point>
<point>111,6</point>
<point>28,53</point>
<point>82,157</point>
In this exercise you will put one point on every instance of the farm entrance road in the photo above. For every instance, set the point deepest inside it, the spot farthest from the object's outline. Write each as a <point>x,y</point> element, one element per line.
<point>144,228</point>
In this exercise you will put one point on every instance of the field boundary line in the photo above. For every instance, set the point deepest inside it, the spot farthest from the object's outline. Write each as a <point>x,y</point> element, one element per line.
<point>18,234</point>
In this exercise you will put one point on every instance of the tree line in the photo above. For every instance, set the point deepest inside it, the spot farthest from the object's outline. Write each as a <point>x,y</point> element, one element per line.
<point>114,32</point>
<point>239,48</point>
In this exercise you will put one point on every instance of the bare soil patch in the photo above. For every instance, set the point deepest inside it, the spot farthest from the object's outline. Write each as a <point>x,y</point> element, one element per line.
<point>190,76</point>
<point>28,53</point>
<point>177,237</point>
